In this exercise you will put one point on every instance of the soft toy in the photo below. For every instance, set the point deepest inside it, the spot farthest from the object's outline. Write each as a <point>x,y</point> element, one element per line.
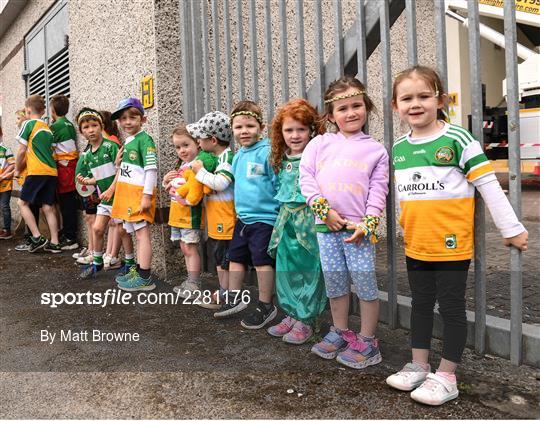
<point>193,190</point>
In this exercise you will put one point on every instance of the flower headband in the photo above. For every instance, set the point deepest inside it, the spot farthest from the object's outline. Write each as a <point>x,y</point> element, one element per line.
<point>248,113</point>
<point>89,113</point>
<point>337,98</point>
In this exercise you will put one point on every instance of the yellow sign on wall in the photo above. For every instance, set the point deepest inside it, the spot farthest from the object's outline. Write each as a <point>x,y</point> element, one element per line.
<point>147,91</point>
<point>453,98</point>
<point>526,6</point>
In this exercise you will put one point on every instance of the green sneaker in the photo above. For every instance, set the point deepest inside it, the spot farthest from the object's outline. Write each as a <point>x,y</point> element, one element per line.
<point>52,248</point>
<point>37,243</point>
<point>137,283</point>
<point>128,273</point>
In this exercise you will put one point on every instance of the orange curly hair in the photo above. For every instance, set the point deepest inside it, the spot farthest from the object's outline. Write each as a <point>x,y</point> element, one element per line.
<point>299,110</point>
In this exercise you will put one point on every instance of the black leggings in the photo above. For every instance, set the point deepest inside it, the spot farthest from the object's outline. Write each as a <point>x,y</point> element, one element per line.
<point>444,282</point>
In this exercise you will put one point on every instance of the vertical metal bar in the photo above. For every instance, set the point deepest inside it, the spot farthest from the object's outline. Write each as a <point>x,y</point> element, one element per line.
<point>361,52</point>
<point>268,53</point>
<point>479,215</point>
<point>187,80</point>
<point>206,61</point>
<point>217,57</point>
<point>228,61</point>
<point>284,51</point>
<point>339,40</point>
<point>412,48</point>
<point>240,38</point>
<point>389,141</point>
<point>319,47</point>
<point>440,40</point>
<point>253,48</point>
<point>301,48</point>
<point>514,158</point>
<point>196,59</point>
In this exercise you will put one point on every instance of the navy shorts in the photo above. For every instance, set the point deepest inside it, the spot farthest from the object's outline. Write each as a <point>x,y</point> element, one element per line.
<point>249,244</point>
<point>39,189</point>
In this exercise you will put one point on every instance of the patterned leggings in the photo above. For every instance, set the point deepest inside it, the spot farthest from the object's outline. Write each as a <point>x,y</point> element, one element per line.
<point>339,259</point>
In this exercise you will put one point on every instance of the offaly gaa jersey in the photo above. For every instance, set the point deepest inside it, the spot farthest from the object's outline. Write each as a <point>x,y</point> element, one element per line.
<point>6,159</point>
<point>65,140</point>
<point>38,138</point>
<point>139,155</point>
<point>182,215</point>
<point>220,213</point>
<point>100,164</point>
<point>433,178</point>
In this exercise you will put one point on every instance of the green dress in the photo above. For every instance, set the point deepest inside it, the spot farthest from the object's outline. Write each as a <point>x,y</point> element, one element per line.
<point>299,281</point>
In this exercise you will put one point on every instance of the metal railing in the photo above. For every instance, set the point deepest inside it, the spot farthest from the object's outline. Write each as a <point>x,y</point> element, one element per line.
<point>341,47</point>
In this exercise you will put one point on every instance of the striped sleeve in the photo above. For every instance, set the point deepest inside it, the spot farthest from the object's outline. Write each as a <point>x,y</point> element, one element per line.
<point>10,159</point>
<point>24,133</point>
<point>473,161</point>
<point>225,166</point>
<point>149,154</point>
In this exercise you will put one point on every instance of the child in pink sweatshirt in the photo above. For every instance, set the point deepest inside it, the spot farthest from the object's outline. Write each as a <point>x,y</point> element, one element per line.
<point>344,177</point>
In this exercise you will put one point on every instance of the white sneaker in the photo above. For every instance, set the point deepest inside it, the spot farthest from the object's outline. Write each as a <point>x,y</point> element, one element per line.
<point>85,260</point>
<point>81,253</point>
<point>106,261</point>
<point>436,390</point>
<point>408,378</point>
<point>114,263</point>
<point>186,289</point>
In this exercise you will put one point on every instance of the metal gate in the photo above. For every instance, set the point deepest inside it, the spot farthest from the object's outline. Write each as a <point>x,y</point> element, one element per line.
<point>219,49</point>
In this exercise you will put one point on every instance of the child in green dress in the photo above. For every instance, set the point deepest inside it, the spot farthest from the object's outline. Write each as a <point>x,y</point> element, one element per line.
<point>299,283</point>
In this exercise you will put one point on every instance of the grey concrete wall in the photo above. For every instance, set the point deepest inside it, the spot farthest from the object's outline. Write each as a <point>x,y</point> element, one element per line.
<point>112,47</point>
<point>114,44</point>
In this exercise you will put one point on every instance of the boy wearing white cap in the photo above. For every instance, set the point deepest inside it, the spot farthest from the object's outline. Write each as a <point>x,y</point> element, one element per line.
<point>213,132</point>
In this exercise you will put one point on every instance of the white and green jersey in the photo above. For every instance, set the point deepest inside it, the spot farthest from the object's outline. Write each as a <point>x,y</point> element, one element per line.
<point>139,156</point>
<point>433,178</point>
<point>100,164</point>
<point>6,159</point>
<point>219,205</point>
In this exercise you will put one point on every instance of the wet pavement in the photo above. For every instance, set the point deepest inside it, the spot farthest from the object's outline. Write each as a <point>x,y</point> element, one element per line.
<point>189,365</point>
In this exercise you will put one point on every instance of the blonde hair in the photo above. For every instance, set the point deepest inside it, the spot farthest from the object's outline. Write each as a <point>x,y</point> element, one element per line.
<point>432,80</point>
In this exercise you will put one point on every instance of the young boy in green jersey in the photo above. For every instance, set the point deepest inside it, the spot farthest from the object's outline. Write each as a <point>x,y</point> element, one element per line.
<point>65,155</point>
<point>98,161</point>
<point>214,134</point>
<point>135,194</point>
<point>36,153</point>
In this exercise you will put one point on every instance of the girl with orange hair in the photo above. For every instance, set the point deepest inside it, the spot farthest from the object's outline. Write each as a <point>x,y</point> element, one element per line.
<point>299,283</point>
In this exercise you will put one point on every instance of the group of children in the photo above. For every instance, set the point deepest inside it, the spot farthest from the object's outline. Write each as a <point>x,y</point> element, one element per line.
<point>303,207</point>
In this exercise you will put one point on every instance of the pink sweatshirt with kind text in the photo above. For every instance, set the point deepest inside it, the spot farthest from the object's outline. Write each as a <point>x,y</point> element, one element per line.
<point>351,173</point>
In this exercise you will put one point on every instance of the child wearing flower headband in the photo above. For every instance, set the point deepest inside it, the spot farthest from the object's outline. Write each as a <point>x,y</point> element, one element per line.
<point>344,178</point>
<point>257,210</point>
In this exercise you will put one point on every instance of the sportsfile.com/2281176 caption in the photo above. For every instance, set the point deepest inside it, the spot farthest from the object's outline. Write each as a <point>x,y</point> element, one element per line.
<point>205,296</point>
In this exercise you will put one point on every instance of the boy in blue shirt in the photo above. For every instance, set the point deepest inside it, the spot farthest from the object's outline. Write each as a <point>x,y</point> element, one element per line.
<point>257,210</point>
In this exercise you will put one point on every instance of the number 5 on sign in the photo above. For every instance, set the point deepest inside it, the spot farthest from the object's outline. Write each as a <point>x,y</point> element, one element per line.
<point>147,91</point>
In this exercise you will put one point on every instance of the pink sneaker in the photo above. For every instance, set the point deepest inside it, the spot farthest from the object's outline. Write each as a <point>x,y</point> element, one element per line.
<point>299,334</point>
<point>284,327</point>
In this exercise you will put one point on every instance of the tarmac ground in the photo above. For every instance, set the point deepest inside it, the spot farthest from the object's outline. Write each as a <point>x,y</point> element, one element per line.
<point>186,364</point>
<point>189,365</point>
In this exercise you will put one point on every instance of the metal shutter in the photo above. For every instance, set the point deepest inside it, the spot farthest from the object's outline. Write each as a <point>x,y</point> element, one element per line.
<point>58,74</point>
